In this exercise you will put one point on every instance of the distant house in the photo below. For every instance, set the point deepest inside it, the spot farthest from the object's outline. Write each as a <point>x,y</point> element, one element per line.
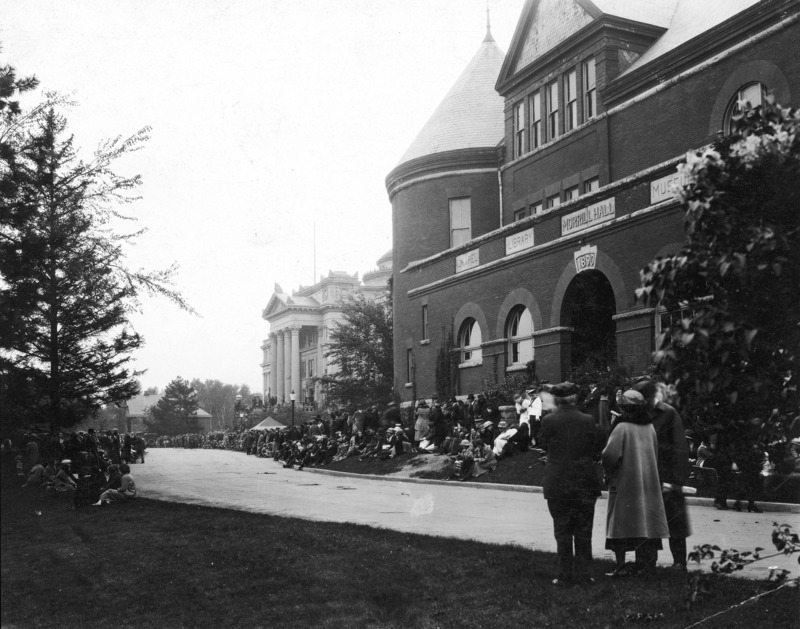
<point>136,411</point>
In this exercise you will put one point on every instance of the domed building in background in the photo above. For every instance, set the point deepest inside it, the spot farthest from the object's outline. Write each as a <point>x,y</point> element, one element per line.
<point>300,325</point>
<point>543,183</point>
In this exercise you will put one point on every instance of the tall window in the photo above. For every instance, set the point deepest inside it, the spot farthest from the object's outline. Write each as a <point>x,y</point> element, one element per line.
<point>571,100</point>
<point>520,336</point>
<point>519,129</point>
<point>552,202</point>
<point>551,92</point>
<point>589,90</point>
<point>749,96</point>
<point>535,109</point>
<point>409,365</point>
<point>460,221</point>
<point>469,341</point>
<point>425,322</point>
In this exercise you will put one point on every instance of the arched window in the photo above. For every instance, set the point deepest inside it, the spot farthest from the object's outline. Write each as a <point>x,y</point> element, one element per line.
<point>469,341</point>
<point>749,96</point>
<point>519,332</point>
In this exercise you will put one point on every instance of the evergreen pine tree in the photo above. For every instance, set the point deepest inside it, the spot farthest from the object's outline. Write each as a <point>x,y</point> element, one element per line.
<point>176,411</point>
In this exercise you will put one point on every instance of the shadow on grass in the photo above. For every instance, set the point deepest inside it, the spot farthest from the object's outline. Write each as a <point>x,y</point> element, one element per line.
<point>157,564</point>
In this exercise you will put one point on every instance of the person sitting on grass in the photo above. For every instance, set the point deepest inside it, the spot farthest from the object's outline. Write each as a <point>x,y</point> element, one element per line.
<point>35,476</point>
<point>64,481</point>
<point>126,491</point>
<point>502,437</point>
<point>49,474</point>
<point>485,461</point>
<point>375,446</point>
<point>462,462</point>
<point>518,442</point>
<point>114,478</point>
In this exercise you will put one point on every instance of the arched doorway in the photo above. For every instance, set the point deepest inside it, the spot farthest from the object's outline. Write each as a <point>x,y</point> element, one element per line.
<point>588,308</point>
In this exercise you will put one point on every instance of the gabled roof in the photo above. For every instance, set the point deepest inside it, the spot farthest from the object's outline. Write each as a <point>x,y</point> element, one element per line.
<point>544,24</point>
<point>138,405</point>
<point>690,19</point>
<point>471,114</point>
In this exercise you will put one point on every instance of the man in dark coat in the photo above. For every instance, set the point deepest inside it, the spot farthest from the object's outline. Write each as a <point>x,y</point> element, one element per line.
<point>673,467</point>
<point>571,483</point>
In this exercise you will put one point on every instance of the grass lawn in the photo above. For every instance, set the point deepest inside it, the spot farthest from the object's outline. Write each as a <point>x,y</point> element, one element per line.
<point>158,564</point>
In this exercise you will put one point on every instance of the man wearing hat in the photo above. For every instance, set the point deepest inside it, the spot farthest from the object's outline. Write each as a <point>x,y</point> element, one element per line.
<point>673,466</point>
<point>571,484</point>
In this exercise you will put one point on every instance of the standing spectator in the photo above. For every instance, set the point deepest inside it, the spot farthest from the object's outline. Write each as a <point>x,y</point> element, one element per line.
<point>422,422</point>
<point>116,447</point>
<point>571,485</point>
<point>636,520</point>
<point>673,467</point>
<point>535,414</point>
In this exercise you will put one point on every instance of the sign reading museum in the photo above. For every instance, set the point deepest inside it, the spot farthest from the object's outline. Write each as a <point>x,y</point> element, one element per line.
<point>588,217</point>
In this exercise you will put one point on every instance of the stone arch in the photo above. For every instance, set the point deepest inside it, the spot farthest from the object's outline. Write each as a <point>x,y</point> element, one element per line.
<point>470,310</point>
<point>757,70</point>
<point>606,265</point>
<point>518,296</point>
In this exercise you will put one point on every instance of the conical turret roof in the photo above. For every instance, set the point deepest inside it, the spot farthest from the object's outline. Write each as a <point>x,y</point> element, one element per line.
<point>471,115</point>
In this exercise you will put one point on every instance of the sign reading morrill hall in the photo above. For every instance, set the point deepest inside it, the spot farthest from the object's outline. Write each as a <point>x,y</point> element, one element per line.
<point>588,217</point>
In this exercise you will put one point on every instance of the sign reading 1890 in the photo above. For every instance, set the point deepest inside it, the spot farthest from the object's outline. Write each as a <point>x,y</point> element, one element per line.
<point>588,217</point>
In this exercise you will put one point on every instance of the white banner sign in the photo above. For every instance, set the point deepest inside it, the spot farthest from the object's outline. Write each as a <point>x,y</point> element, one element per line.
<point>588,217</point>
<point>666,187</point>
<point>519,242</point>
<point>467,260</point>
<point>585,259</point>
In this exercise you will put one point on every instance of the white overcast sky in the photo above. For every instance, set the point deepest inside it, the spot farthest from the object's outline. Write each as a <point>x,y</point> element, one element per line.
<point>267,116</point>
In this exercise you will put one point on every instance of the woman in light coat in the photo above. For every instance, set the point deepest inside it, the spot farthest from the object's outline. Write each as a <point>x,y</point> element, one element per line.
<point>636,520</point>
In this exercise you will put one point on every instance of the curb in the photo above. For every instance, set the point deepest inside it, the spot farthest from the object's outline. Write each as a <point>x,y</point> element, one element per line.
<point>768,507</point>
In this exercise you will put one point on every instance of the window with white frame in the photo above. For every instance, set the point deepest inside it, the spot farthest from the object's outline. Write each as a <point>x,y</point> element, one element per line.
<point>469,342</point>
<point>519,129</point>
<point>590,185</point>
<point>409,365</point>
<point>425,322</point>
<point>552,202</point>
<point>535,109</point>
<point>589,89</point>
<point>523,213</point>
<point>570,100</point>
<point>571,193</point>
<point>519,333</point>
<point>536,209</point>
<point>747,97</point>
<point>460,221</point>
<point>551,94</point>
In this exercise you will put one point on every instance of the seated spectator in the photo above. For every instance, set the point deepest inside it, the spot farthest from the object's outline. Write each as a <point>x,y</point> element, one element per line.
<point>485,461</point>
<point>35,476</point>
<point>63,480</point>
<point>114,478</point>
<point>126,491</point>
<point>463,462</point>
<point>502,438</point>
<point>49,475</point>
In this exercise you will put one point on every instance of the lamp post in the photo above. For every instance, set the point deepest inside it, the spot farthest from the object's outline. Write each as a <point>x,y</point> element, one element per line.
<point>292,398</point>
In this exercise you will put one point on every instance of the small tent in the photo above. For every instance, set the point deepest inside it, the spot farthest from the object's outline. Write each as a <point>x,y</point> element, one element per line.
<point>268,423</point>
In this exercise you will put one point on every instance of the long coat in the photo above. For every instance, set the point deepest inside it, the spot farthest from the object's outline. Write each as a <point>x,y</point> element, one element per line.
<point>572,441</point>
<point>635,505</point>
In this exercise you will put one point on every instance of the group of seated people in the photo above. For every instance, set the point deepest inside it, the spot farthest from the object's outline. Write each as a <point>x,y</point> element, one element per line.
<point>89,478</point>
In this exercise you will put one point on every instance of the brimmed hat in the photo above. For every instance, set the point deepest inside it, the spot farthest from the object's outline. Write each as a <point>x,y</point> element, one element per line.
<point>565,389</point>
<point>486,424</point>
<point>465,442</point>
<point>632,398</point>
<point>502,424</point>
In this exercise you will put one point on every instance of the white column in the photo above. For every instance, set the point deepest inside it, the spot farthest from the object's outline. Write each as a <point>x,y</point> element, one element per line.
<point>295,362</point>
<point>318,394</point>
<point>273,366</point>
<point>287,364</point>
<point>280,380</point>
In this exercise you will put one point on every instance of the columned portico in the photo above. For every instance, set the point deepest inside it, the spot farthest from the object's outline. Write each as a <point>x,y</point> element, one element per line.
<point>272,385</point>
<point>280,379</point>
<point>287,365</point>
<point>320,361</point>
<point>295,360</point>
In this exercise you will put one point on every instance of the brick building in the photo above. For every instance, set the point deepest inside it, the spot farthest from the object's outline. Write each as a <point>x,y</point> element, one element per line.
<point>541,186</point>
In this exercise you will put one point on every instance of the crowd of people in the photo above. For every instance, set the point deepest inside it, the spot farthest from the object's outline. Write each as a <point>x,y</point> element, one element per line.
<point>86,468</point>
<point>631,442</point>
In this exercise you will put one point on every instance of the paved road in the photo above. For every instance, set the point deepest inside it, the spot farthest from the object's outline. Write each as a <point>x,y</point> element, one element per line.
<point>234,480</point>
